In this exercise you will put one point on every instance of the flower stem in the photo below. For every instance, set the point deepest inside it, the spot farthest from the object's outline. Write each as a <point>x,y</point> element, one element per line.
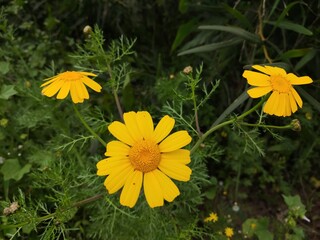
<point>116,98</point>
<point>87,126</point>
<point>265,126</point>
<point>214,128</point>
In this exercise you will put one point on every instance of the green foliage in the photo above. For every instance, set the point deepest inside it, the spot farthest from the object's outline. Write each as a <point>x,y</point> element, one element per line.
<point>181,58</point>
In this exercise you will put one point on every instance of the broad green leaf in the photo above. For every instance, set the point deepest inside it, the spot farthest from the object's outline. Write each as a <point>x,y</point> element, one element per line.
<point>249,227</point>
<point>234,30</point>
<point>238,15</point>
<point>295,205</point>
<point>7,91</point>
<point>305,59</point>
<point>212,47</point>
<point>288,25</point>
<point>183,31</point>
<point>11,169</point>
<point>4,67</point>
<point>294,53</point>
<point>264,235</point>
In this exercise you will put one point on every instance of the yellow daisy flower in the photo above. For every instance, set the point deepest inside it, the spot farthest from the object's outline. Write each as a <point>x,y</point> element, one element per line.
<point>228,232</point>
<point>73,82</point>
<point>144,155</point>
<point>284,98</point>
<point>213,217</point>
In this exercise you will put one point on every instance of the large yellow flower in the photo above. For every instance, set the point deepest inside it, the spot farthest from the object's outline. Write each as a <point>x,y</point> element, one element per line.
<point>284,98</point>
<point>145,155</point>
<point>73,82</point>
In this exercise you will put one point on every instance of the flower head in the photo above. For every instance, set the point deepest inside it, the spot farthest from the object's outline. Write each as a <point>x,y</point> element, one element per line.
<point>228,232</point>
<point>284,98</point>
<point>145,156</point>
<point>73,82</point>
<point>213,217</point>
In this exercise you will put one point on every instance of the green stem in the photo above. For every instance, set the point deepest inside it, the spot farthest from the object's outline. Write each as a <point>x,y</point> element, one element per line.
<point>52,215</point>
<point>88,127</point>
<point>214,128</point>
<point>265,126</point>
<point>116,98</point>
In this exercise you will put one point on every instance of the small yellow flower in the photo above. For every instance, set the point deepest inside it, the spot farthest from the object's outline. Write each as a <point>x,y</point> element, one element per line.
<point>145,155</point>
<point>228,232</point>
<point>213,217</point>
<point>284,98</point>
<point>73,82</point>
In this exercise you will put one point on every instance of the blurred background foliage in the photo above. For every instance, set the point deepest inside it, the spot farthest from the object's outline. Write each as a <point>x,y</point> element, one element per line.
<point>42,143</point>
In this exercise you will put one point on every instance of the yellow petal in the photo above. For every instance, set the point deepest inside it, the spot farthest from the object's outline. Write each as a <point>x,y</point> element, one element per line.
<point>116,179</point>
<point>120,131</point>
<point>288,111</point>
<point>145,124</point>
<point>112,165</point>
<point>74,94</point>
<point>53,88</point>
<point>277,71</point>
<point>169,189</point>
<point>52,79</point>
<point>293,103</point>
<point>180,156</point>
<point>131,189</point>
<point>281,106</point>
<point>175,170</point>
<point>296,97</point>
<point>298,80</point>
<point>163,128</point>
<point>63,93</point>
<point>84,90</point>
<point>271,105</point>
<point>256,79</point>
<point>92,84</point>
<point>262,69</point>
<point>88,74</point>
<point>259,91</point>
<point>130,120</point>
<point>175,141</point>
<point>116,148</point>
<point>101,167</point>
<point>152,190</point>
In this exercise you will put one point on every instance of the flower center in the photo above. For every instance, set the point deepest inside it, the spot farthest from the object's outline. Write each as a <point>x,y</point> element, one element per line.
<point>280,84</point>
<point>71,76</point>
<point>145,155</point>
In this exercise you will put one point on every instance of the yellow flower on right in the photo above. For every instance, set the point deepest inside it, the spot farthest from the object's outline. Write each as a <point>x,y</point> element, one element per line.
<point>284,99</point>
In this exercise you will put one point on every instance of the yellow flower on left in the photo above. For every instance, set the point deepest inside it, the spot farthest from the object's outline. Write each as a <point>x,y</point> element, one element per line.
<point>73,82</point>
<point>146,156</point>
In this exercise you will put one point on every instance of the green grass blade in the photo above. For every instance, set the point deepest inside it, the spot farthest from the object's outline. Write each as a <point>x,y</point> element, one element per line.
<point>234,30</point>
<point>212,47</point>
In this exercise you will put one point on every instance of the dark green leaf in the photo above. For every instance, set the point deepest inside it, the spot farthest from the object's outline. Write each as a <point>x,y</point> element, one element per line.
<point>212,47</point>
<point>4,67</point>
<point>183,31</point>
<point>11,169</point>
<point>288,25</point>
<point>234,30</point>
<point>305,59</point>
<point>294,53</point>
<point>242,19</point>
<point>7,91</point>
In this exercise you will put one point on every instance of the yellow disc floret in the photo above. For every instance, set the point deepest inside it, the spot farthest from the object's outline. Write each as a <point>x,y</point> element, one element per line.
<point>145,155</point>
<point>280,83</point>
